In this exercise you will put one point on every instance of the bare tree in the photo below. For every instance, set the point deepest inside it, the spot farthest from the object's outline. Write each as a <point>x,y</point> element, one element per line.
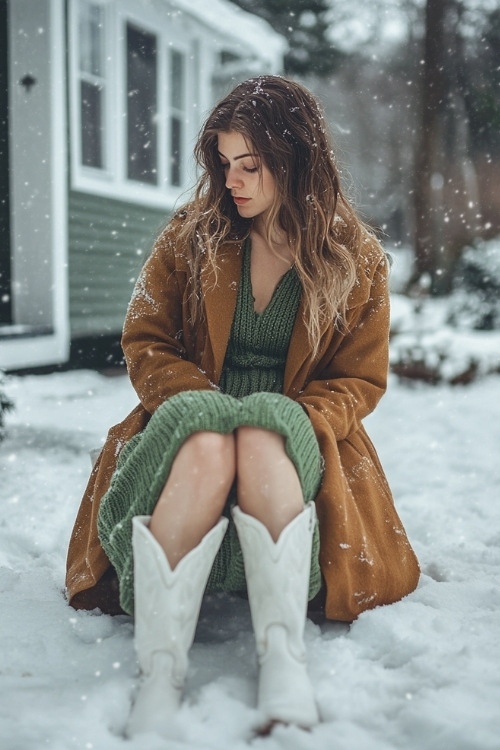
<point>429,162</point>
<point>447,198</point>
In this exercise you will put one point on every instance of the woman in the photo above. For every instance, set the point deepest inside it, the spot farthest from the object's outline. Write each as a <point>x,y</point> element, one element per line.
<point>257,341</point>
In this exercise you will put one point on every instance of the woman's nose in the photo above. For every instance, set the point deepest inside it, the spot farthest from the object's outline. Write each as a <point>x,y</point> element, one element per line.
<point>232,180</point>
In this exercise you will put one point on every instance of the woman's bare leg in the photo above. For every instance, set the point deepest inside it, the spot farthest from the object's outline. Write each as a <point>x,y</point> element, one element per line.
<point>193,498</point>
<point>268,484</point>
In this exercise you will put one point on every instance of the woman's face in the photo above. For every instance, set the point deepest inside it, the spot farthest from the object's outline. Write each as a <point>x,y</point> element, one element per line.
<point>249,180</point>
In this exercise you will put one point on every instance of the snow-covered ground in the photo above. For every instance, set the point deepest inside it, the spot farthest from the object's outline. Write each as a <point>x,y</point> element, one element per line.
<point>422,674</point>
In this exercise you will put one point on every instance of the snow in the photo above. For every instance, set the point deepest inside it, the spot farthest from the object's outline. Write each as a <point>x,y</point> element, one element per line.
<point>229,19</point>
<point>422,674</point>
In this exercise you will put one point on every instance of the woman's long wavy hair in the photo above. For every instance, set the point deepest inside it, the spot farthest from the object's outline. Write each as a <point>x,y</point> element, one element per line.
<point>282,122</point>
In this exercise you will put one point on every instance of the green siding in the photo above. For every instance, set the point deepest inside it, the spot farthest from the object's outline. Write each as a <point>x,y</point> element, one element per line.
<point>108,243</point>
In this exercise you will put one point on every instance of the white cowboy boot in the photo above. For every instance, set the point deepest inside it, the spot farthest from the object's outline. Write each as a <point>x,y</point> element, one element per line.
<point>277,575</point>
<point>167,606</point>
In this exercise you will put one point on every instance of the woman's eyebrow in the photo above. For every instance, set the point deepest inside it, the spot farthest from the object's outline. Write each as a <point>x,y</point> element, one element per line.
<point>241,156</point>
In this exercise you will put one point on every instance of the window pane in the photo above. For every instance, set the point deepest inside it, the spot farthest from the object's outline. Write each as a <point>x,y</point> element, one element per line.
<point>177,80</point>
<point>91,132</point>
<point>91,31</point>
<point>177,115</point>
<point>175,151</point>
<point>141,105</point>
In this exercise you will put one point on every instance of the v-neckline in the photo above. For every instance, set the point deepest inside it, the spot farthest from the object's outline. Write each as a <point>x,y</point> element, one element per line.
<point>247,263</point>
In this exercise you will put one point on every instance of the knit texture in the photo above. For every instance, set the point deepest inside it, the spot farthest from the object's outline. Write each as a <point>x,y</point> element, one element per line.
<point>258,345</point>
<point>252,380</point>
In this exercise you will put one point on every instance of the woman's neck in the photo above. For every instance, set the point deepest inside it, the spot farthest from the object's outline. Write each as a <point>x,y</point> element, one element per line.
<point>278,243</point>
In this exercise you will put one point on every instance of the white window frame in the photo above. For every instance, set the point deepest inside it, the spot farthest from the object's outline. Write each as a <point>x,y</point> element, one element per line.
<point>80,171</point>
<point>112,181</point>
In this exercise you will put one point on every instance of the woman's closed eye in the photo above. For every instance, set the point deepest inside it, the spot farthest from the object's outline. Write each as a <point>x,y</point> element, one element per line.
<point>247,169</point>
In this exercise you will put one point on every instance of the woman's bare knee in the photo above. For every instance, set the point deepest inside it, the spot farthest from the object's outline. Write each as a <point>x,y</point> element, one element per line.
<point>257,440</point>
<point>209,454</point>
<point>257,447</point>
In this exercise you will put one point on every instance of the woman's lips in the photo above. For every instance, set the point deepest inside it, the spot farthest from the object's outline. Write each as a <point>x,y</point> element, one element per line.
<point>240,201</point>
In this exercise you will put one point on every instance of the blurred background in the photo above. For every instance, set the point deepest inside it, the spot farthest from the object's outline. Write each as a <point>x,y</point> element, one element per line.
<point>100,105</point>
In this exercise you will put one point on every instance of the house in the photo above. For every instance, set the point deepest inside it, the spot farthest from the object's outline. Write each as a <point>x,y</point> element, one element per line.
<point>100,104</point>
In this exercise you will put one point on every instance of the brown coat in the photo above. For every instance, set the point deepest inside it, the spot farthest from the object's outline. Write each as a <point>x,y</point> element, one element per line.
<point>365,556</point>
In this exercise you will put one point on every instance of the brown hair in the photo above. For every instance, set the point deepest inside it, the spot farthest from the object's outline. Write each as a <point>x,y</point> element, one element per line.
<point>283,123</point>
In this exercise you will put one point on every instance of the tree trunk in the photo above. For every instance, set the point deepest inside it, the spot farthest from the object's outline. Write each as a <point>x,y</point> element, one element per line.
<point>429,162</point>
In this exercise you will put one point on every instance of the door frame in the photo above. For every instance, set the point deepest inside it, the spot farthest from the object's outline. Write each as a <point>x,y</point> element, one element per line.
<point>39,329</point>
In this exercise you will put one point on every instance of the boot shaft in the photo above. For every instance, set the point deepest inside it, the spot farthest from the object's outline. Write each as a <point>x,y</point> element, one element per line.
<point>167,602</point>
<point>277,575</point>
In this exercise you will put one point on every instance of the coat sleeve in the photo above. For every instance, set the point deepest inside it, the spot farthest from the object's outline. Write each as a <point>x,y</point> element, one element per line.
<point>352,376</point>
<point>153,333</point>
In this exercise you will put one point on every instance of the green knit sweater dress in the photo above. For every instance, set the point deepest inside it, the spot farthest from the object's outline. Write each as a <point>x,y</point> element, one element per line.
<point>250,394</point>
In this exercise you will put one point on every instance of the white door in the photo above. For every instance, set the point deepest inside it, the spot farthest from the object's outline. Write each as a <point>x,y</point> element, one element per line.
<point>37,333</point>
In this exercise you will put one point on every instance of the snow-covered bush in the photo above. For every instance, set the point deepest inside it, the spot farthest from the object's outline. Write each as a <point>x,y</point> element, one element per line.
<point>435,359</point>
<point>5,404</point>
<point>453,339</point>
<point>475,302</point>
<point>425,347</point>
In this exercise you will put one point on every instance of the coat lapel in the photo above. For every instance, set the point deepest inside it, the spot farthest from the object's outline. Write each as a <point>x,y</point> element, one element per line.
<point>298,355</point>
<point>299,362</point>
<point>220,301</point>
